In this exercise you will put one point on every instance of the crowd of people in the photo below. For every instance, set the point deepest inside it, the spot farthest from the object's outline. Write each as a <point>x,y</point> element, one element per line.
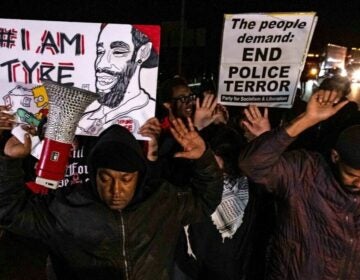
<point>215,193</point>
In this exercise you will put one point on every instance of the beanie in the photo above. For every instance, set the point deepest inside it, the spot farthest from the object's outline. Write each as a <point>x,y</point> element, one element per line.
<point>118,157</point>
<point>348,146</point>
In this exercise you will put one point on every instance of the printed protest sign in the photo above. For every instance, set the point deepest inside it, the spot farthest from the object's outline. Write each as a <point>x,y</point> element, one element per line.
<point>262,57</point>
<point>118,61</point>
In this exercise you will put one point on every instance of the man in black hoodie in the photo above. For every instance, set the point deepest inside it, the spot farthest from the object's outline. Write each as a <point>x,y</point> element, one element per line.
<point>122,224</point>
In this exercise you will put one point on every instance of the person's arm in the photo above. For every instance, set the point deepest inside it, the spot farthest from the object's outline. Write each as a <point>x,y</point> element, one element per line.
<point>206,183</point>
<point>263,159</point>
<point>21,211</point>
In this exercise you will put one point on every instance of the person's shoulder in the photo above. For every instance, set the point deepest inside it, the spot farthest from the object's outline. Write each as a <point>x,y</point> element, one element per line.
<point>75,195</point>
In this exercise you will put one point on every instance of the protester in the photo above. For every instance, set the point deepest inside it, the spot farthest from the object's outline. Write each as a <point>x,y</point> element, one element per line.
<point>180,102</point>
<point>316,235</point>
<point>231,244</point>
<point>17,253</point>
<point>121,224</point>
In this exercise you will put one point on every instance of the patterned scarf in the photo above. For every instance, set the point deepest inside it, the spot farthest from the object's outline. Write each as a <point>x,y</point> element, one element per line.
<point>229,214</point>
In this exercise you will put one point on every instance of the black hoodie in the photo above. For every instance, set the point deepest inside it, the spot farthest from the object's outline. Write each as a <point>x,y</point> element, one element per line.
<point>88,240</point>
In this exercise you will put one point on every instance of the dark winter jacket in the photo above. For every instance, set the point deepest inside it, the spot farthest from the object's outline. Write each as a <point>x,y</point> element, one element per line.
<point>87,240</point>
<point>240,257</point>
<point>318,233</point>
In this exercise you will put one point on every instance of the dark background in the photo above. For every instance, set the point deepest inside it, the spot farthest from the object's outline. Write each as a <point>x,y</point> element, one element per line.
<point>338,23</point>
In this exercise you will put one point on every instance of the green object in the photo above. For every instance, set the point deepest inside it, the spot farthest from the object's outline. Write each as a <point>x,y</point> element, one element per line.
<point>27,117</point>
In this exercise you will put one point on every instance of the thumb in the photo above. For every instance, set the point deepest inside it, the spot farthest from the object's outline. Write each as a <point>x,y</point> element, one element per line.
<point>247,125</point>
<point>169,109</point>
<point>337,107</point>
<point>27,142</point>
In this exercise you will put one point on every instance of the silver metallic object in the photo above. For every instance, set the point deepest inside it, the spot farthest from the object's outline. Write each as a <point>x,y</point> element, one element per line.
<point>67,105</point>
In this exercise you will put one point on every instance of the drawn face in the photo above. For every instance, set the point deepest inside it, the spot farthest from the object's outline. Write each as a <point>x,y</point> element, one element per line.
<point>40,96</point>
<point>116,188</point>
<point>114,64</point>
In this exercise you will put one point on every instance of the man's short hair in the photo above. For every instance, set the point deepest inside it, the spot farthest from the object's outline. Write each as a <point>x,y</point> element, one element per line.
<point>167,88</point>
<point>348,146</point>
<point>338,83</point>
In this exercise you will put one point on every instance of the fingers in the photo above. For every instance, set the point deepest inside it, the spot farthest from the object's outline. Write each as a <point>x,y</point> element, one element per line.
<point>327,97</point>
<point>253,113</point>
<point>180,126</point>
<point>177,129</point>
<point>246,124</point>
<point>249,115</point>
<point>151,128</point>
<point>6,118</point>
<point>197,102</point>
<point>191,124</point>
<point>209,101</point>
<point>266,113</point>
<point>29,129</point>
<point>27,143</point>
<point>180,131</point>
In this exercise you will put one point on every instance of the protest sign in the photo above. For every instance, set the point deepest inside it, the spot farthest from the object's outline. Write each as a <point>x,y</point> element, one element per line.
<point>262,57</point>
<point>118,61</point>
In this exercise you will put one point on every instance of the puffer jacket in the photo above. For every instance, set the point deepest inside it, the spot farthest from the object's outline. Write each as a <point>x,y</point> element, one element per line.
<point>318,231</point>
<point>87,240</point>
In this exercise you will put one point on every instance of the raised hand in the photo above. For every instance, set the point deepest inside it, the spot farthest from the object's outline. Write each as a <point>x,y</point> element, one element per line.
<point>221,114</point>
<point>192,143</point>
<point>152,129</point>
<point>256,123</point>
<point>204,113</point>
<point>6,119</point>
<point>323,104</point>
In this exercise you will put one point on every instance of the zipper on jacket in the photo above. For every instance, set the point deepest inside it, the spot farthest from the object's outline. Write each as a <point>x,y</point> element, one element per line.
<point>123,246</point>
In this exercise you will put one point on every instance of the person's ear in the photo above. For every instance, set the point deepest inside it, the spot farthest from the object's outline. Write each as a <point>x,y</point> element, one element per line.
<point>143,53</point>
<point>335,157</point>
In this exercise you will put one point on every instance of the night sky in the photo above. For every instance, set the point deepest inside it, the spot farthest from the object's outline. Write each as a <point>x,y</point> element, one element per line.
<point>338,23</point>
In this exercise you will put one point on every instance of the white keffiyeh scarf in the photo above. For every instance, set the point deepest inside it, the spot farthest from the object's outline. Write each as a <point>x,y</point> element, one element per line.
<point>229,214</point>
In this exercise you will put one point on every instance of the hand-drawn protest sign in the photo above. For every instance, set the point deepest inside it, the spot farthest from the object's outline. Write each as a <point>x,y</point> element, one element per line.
<point>262,57</point>
<point>118,61</point>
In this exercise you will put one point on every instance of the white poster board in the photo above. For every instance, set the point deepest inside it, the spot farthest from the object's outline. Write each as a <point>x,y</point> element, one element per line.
<point>262,57</point>
<point>118,61</point>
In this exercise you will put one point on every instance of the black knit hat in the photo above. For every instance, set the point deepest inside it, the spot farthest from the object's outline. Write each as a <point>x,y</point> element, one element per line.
<point>348,146</point>
<point>117,149</point>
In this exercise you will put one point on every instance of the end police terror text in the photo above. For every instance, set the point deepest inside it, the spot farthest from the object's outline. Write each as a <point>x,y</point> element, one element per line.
<point>262,78</point>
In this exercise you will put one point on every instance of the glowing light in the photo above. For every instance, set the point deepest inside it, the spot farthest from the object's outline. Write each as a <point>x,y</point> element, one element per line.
<point>356,75</point>
<point>313,71</point>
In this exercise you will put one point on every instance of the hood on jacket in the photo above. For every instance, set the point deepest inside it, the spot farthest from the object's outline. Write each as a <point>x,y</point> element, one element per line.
<point>117,149</point>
